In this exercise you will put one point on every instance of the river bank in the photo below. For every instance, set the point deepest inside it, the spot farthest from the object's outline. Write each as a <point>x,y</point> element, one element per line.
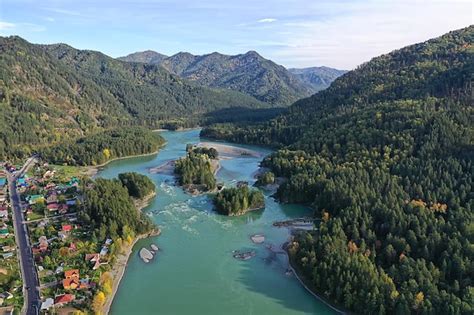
<point>118,269</point>
<point>305,283</point>
<point>92,171</point>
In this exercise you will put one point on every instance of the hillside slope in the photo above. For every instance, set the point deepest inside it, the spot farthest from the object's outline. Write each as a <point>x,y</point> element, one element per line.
<point>49,93</point>
<point>147,56</point>
<point>249,73</point>
<point>385,156</point>
<point>319,78</point>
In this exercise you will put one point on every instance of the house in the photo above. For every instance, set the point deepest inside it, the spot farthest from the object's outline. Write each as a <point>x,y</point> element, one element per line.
<point>21,182</point>
<point>47,304</point>
<point>48,174</point>
<point>104,251</point>
<point>53,207</point>
<point>63,299</point>
<point>7,255</point>
<point>52,198</point>
<point>72,247</point>
<point>33,199</point>
<point>6,295</point>
<point>96,265</point>
<point>71,284</point>
<point>63,208</point>
<point>95,258</point>
<point>108,242</point>
<point>71,273</point>
<point>92,257</point>
<point>7,248</point>
<point>3,214</point>
<point>71,279</point>
<point>67,228</point>
<point>71,202</point>
<point>50,186</point>
<point>4,233</point>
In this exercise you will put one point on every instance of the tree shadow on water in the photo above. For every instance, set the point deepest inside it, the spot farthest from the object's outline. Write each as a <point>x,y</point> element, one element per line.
<point>265,274</point>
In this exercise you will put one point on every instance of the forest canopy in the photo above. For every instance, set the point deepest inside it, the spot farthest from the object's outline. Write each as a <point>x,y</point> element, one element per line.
<point>238,200</point>
<point>103,146</point>
<point>110,210</point>
<point>195,169</point>
<point>385,157</point>
<point>139,186</point>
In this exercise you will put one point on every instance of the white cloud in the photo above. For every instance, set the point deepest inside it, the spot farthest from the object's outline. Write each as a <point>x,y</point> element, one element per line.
<point>49,19</point>
<point>364,31</point>
<point>63,11</point>
<point>267,20</point>
<point>6,26</point>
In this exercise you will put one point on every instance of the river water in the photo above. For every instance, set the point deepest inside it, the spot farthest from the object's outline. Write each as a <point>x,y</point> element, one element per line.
<point>194,271</point>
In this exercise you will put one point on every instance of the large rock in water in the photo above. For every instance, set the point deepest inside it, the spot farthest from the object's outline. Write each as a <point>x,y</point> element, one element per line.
<point>154,247</point>
<point>145,254</point>
<point>258,238</point>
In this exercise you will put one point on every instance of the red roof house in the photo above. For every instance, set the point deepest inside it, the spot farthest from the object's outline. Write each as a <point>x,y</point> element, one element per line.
<point>67,228</point>
<point>64,299</point>
<point>53,206</point>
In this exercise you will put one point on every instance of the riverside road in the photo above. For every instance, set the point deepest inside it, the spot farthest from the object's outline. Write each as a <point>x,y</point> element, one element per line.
<point>28,269</point>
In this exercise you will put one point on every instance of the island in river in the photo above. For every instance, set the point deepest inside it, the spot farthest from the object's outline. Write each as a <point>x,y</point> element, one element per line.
<point>238,200</point>
<point>195,271</point>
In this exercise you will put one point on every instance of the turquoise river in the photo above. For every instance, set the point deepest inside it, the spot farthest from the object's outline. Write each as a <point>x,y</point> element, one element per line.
<point>194,271</point>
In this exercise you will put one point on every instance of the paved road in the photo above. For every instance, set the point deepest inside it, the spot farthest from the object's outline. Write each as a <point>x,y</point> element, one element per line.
<point>28,270</point>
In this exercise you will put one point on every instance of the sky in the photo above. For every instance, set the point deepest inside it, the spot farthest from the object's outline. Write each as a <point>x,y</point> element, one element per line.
<point>295,33</point>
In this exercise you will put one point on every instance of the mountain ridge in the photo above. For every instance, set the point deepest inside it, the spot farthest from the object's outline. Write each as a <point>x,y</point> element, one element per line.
<point>50,93</point>
<point>248,72</point>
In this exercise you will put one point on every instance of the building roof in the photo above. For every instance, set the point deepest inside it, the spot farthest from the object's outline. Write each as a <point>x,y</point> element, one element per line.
<point>67,283</point>
<point>49,302</point>
<point>71,273</point>
<point>65,298</point>
<point>52,206</point>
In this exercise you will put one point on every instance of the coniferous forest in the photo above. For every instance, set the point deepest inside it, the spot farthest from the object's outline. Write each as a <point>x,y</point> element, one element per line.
<point>196,168</point>
<point>238,200</point>
<point>103,146</point>
<point>109,208</point>
<point>385,158</point>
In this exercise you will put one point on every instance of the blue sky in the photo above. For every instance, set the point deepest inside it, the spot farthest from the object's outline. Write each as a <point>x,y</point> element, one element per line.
<point>294,33</point>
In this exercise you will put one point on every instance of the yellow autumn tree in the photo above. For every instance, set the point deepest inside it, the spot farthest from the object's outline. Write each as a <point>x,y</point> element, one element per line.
<point>98,302</point>
<point>106,153</point>
<point>419,299</point>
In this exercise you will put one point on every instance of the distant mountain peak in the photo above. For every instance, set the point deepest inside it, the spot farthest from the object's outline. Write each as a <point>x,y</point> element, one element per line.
<point>147,56</point>
<point>249,73</point>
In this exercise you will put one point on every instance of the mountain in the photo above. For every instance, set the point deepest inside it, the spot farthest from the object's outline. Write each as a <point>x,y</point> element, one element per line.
<point>248,73</point>
<point>148,56</point>
<point>385,158</point>
<point>50,93</point>
<point>319,78</point>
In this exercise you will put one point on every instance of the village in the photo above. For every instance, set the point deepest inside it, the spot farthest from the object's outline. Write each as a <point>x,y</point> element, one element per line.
<point>72,265</point>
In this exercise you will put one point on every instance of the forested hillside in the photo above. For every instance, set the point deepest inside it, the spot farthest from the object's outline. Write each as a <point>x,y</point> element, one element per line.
<point>319,78</point>
<point>53,93</point>
<point>385,157</point>
<point>101,147</point>
<point>249,73</point>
